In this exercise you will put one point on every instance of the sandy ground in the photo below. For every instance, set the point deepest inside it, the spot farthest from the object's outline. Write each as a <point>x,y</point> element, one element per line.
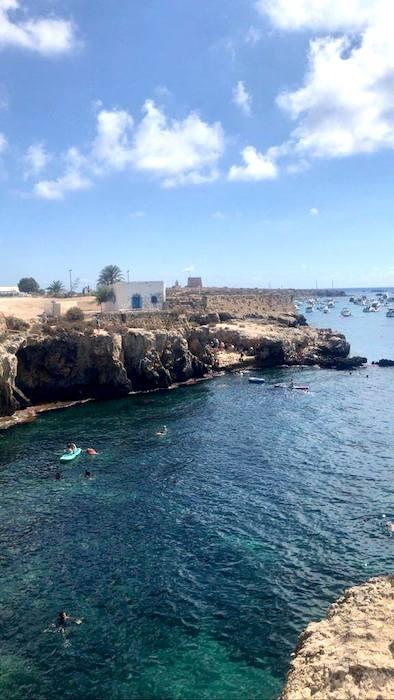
<point>30,307</point>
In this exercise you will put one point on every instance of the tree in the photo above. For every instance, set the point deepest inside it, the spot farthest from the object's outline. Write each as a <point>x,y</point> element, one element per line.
<point>109,275</point>
<point>103,294</point>
<point>56,288</point>
<point>28,285</point>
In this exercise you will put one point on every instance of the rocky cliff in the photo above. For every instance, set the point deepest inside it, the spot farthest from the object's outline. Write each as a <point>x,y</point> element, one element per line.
<point>350,654</point>
<point>58,364</point>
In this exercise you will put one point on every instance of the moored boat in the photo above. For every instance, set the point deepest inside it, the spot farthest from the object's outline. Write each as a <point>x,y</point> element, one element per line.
<point>346,312</point>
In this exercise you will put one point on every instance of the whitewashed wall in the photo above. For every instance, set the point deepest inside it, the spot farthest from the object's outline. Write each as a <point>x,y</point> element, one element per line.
<point>124,292</point>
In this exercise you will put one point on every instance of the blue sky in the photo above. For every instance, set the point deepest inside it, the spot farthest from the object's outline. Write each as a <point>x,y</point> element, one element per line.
<point>247,142</point>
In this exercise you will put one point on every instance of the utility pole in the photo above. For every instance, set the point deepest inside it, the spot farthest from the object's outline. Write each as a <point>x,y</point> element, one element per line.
<point>128,275</point>
<point>71,282</point>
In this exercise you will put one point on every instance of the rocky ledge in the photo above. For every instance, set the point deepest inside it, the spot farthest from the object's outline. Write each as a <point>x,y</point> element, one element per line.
<point>58,364</point>
<point>350,654</point>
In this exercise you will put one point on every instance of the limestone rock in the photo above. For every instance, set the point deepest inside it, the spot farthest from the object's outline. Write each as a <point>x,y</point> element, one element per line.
<point>72,366</point>
<point>350,654</point>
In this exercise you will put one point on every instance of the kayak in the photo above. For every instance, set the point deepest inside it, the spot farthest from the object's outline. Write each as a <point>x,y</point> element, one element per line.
<point>296,386</point>
<point>256,380</point>
<point>69,456</point>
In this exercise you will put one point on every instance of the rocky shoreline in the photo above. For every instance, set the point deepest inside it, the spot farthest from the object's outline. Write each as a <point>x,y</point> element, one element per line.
<point>350,653</point>
<point>58,365</point>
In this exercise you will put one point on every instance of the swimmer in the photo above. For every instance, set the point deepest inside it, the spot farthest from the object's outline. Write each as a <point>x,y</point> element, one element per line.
<point>62,620</point>
<point>71,447</point>
<point>163,431</point>
<point>91,451</point>
<point>87,474</point>
<point>390,527</point>
<point>291,383</point>
<point>58,476</point>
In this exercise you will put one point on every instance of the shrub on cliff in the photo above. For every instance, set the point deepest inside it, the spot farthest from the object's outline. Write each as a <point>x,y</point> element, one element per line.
<point>16,324</point>
<point>74,314</point>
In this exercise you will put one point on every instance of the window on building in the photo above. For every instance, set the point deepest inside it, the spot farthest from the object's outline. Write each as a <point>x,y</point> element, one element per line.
<point>136,301</point>
<point>154,299</point>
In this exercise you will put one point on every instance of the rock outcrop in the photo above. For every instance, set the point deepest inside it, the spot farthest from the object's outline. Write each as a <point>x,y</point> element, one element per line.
<point>72,366</point>
<point>386,363</point>
<point>350,654</point>
<point>55,364</point>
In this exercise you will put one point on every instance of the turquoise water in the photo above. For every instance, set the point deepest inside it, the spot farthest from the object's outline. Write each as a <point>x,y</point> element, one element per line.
<point>194,559</point>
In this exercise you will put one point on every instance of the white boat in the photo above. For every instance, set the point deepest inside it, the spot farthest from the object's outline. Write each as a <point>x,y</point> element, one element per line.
<point>346,312</point>
<point>390,313</point>
<point>326,310</point>
<point>309,308</point>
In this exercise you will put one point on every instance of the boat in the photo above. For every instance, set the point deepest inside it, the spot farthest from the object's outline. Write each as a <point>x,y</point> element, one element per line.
<point>300,387</point>
<point>309,308</point>
<point>256,380</point>
<point>390,313</point>
<point>69,456</point>
<point>326,310</point>
<point>346,312</point>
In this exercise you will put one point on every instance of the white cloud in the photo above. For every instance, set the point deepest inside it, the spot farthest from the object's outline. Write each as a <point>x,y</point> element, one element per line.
<point>190,268</point>
<point>175,152</point>
<point>314,211</point>
<point>3,143</point>
<point>47,35</point>
<point>36,159</point>
<point>112,146</point>
<point>242,98</point>
<point>137,214</point>
<point>218,215</point>
<point>253,35</point>
<point>326,15</point>
<point>184,150</point>
<point>73,179</point>
<point>257,166</point>
<point>345,105</point>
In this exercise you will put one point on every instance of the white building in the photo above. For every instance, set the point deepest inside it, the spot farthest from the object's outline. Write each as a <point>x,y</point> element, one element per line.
<point>10,292</point>
<point>137,296</point>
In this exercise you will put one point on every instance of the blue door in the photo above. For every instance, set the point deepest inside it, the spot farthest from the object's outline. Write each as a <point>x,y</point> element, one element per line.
<point>136,301</point>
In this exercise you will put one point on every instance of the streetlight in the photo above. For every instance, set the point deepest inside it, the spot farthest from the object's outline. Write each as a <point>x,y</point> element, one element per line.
<point>128,275</point>
<point>71,282</point>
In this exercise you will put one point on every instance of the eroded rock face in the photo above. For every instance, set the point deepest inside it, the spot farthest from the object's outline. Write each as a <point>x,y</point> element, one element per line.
<point>72,366</point>
<point>8,367</point>
<point>350,654</point>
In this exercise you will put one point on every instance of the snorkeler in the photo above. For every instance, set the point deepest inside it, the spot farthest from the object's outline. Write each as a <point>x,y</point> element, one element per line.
<point>63,618</point>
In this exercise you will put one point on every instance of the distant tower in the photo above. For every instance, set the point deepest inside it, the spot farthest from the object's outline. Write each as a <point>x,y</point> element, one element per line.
<point>194,282</point>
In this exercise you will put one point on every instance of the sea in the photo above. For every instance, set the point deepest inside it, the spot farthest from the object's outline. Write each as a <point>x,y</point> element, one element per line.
<point>194,559</point>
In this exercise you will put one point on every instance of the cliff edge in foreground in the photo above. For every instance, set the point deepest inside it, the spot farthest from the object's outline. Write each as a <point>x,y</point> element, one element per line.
<point>350,654</point>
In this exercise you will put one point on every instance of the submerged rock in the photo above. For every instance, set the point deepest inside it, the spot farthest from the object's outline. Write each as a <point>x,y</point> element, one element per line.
<point>350,654</point>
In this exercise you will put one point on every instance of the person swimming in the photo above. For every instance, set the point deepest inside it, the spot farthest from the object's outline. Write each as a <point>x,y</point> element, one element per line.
<point>163,431</point>
<point>58,476</point>
<point>291,383</point>
<point>63,618</point>
<point>91,451</point>
<point>87,474</point>
<point>71,447</point>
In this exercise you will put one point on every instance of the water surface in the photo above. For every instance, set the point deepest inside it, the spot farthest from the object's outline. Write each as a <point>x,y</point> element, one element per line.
<point>195,559</point>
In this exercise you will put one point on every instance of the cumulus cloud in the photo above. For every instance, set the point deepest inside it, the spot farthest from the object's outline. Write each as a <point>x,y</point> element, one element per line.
<point>326,15</point>
<point>257,166</point>
<point>242,98</point>
<point>174,152</point>
<point>74,178</point>
<point>314,211</point>
<point>345,105</point>
<point>178,151</point>
<point>44,35</point>
<point>3,143</point>
<point>36,159</point>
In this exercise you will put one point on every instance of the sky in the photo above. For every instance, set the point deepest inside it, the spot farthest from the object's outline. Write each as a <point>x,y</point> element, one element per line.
<point>249,142</point>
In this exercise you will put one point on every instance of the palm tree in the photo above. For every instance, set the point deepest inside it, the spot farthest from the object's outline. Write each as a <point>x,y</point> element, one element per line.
<point>103,294</point>
<point>110,274</point>
<point>56,288</point>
